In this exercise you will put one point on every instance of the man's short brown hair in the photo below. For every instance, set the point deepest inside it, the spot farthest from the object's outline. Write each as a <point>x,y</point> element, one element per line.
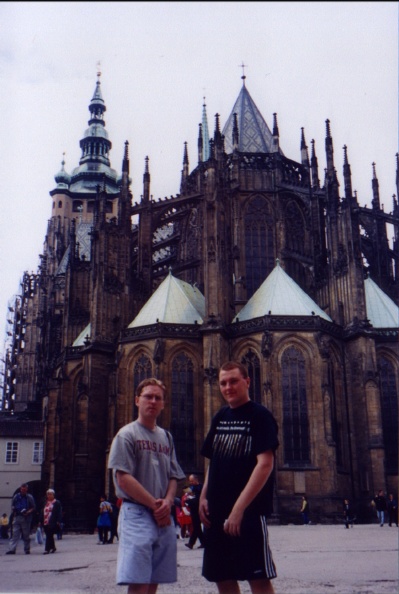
<point>150,381</point>
<point>229,365</point>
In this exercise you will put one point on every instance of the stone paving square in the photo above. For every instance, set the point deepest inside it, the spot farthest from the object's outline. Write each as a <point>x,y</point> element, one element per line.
<point>315,559</point>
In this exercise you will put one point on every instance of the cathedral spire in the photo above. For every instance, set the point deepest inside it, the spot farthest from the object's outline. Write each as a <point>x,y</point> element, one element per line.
<point>304,149</point>
<point>347,175</point>
<point>200,144</point>
<point>314,167</point>
<point>218,138</point>
<point>94,164</point>
<point>376,192</point>
<point>146,182</point>
<point>205,134</point>
<point>185,170</point>
<point>276,135</point>
<point>329,150</point>
<point>124,203</point>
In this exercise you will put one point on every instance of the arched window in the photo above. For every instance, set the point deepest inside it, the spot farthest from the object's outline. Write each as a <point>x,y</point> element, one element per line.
<point>182,423</point>
<point>259,243</point>
<point>295,413</point>
<point>142,370</point>
<point>389,412</point>
<point>294,228</point>
<point>252,363</point>
<point>82,422</point>
<point>336,415</point>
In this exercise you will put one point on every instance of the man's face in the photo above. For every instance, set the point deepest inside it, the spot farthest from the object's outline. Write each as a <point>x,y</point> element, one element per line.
<point>234,387</point>
<point>150,402</point>
<point>24,490</point>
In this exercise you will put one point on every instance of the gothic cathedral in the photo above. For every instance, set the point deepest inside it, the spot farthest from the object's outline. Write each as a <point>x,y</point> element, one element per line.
<point>255,260</point>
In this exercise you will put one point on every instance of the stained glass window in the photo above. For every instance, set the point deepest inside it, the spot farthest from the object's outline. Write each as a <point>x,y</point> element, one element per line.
<point>182,407</point>
<point>259,243</point>
<point>389,412</point>
<point>295,412</point>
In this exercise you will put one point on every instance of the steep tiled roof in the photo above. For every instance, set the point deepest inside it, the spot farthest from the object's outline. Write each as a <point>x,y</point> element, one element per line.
<point>174,302</point>
<point>279,295</point>
<point>80,340</point>
<point>381,310</point>
<point>254,135</point>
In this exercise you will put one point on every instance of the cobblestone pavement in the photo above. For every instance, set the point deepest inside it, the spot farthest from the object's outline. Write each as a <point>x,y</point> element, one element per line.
<point>315,559</point>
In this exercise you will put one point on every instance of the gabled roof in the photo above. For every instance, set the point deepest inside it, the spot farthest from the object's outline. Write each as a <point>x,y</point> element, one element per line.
<point>381,310</point>
<point>254,135</point>
<point>279,295</point>
<point>174,302</point>
<point>80,340</point>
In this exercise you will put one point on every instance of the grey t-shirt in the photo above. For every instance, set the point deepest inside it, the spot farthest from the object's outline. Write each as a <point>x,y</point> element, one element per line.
<point>147,455</point>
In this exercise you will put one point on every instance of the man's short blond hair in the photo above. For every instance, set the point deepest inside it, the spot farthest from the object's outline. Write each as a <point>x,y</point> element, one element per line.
<point>150,381</point>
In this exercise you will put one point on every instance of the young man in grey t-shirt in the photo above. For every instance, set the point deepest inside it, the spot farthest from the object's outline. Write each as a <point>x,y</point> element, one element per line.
<point>145,472</point>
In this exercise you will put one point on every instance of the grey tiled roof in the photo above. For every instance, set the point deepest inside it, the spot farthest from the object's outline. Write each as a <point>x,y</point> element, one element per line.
<point>254,135</point>
<point>174,302</point>
<point>279,295</point>
<point>80,340</point>
<point>381,310</point>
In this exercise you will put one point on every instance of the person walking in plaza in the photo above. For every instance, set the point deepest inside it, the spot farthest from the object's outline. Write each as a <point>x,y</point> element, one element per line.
<point>380,506</point>
<point>237,495</point>
<point>104,521</point>
<point>193,504</point>
<point>305,508</point>
<point>145,473</point>
<point>184,515</point>
<point>348,513</point>
<point>50,519</point>
<point>392,505</point>
<point>23,506</point>
<point>4,525</point>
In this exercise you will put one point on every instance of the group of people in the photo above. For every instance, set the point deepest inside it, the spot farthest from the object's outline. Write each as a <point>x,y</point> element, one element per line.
<point>384,506</point>
<point>23,510</point>
<point>240,446</point>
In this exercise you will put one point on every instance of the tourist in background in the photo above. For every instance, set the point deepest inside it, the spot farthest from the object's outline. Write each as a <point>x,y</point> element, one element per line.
<point>50,520</point>
<point>23,507</point>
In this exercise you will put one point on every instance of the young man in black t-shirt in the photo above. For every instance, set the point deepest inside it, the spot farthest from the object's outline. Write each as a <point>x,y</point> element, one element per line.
<point>237,495</point>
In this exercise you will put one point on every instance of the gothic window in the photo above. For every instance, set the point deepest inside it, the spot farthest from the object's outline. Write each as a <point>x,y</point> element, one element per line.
<point>252,363</point>
<point>295,413</point>
<point>336,424</point>
<point>389,412</point>
<point>82,422</point>
<point>259,243</point>
<point>294,228</point>
<point>182,420</point>
<point>142,370</point>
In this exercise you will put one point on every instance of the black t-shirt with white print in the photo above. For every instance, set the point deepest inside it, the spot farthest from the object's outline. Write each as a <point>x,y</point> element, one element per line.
<point>236,437</point>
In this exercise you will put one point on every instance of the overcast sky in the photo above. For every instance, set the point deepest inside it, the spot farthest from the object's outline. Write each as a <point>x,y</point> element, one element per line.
<point>306,61</point>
